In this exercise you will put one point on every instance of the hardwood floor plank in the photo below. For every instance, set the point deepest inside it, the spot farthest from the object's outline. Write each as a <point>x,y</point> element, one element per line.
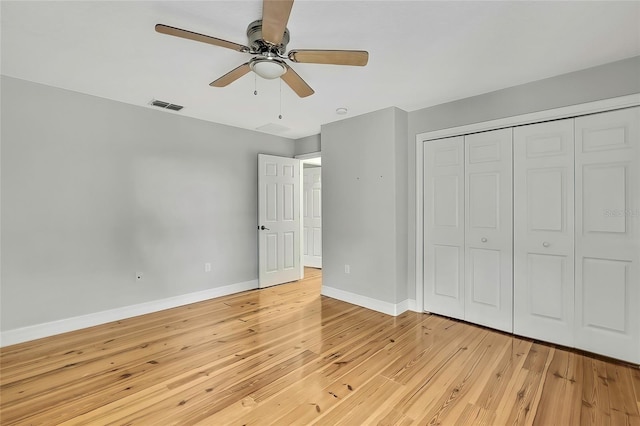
<point>286,355</point>
<point>635,379</point>
<point>561,400</point>
<point>594,396</point>
<point>425,387</point>
<point>519,404</point>
<point>338,358</point>
<point>350,411</point>
<point>471,379</point>
<point>624,409</point>
<point>511,362</point>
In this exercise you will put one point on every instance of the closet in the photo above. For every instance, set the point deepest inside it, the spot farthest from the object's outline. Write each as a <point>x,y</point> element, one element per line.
<point>535,230</point>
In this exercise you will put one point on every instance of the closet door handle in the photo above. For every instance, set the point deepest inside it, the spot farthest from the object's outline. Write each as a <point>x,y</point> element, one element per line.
<point>545,244</point>
<point>483,239</point>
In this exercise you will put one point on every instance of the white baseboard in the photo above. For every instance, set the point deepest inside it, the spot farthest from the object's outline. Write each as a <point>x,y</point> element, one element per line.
<point>24,334</point>
<point>388,308</point>
<point>412,305</point>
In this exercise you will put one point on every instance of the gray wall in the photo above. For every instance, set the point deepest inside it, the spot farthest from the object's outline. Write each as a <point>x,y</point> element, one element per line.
<point>95,190</point>
<point>307,145</point>
<point>606,81</point>
<point>364,204</point>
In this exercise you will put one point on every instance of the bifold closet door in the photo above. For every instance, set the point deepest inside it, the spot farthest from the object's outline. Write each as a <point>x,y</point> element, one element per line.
<point>543,221</point>
<point>488,229</point>
<point>444,227</point>
<point>608,233</point>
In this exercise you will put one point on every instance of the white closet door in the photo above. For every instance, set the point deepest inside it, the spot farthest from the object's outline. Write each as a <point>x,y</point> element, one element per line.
<point>543,156</point>
<point>444,227</point>
<point>608,234</point>
<point>489,230</point>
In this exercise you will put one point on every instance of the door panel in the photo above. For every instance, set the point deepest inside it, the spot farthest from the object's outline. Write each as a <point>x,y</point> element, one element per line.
<point>608,233</point>
<point>547,195</point>
<point>607,191</point>
<point>444,227</point>
<point>546,282</point>
<point>313,217</point>
<point>445,201</point>
<point>488,229</point>
<point>279,197</point>
<point>543,174</point>
<point>605,307</point>
<point>484,273</point>
<point>446,270</point>
<point>484,196</point>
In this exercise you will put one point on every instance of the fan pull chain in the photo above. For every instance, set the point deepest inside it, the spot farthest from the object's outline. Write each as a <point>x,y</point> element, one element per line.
<point>255,84</point>
<point>280,115</point>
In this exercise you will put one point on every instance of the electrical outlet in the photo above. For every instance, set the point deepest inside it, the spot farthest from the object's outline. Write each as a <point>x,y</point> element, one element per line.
<point>347,269</point>
<point>207,267</point>
<point>139,276</point>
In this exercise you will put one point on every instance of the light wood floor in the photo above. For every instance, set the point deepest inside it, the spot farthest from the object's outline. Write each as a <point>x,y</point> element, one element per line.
<point>285,355</point>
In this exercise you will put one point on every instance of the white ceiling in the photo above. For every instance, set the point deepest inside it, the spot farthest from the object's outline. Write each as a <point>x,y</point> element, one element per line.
<point>422,53</point>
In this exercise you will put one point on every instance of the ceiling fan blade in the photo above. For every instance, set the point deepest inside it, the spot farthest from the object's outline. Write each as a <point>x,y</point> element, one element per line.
<point>275,15</point>
<point>297,83</point>
<point>190,35</point>
<point>334,57</point>
<point>231,76</point>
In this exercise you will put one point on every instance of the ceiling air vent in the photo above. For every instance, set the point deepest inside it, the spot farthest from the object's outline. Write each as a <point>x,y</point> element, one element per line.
<point>166,105</point>
<point>272,128</point>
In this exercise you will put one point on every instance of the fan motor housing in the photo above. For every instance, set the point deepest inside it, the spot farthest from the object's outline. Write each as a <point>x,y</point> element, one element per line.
<point>257,43</point>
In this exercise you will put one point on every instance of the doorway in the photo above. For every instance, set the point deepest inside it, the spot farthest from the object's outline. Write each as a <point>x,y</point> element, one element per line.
<point>289,217</point>
<point>312,212</point>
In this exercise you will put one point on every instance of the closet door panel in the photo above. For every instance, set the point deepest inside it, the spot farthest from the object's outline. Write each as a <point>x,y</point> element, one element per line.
<point>543,164</point>
<point>488,229</point>
<point>444,227</point>
<point>608,234</point>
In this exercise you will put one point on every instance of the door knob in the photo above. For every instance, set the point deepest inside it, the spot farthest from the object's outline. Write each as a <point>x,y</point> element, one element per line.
<point>545,244</point>
<point>484,240</point>
<point>263,228</point>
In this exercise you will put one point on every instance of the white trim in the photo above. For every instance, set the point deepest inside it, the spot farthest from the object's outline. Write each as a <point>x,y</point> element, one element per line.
<point>535,117</point>
<point>24,334</point>
<point>419,226</point>
<point>412,305</point>
<point>516,120</point>
<point>388,308</point>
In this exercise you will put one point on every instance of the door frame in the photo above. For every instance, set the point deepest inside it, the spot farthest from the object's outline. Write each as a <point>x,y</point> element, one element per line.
<point>519,120</point>
<point>305,158</point>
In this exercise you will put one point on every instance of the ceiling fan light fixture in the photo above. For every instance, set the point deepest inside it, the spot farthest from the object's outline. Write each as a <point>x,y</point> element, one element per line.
<point>268,68</point>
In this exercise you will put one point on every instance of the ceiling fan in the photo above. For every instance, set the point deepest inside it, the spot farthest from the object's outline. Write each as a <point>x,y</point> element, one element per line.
<point>268,39</point>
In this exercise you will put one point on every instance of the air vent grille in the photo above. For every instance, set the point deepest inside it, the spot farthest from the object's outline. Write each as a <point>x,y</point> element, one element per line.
<point>166,105</point>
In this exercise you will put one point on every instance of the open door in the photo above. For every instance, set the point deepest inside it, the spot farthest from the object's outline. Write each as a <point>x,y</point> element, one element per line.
<point>279,220</point>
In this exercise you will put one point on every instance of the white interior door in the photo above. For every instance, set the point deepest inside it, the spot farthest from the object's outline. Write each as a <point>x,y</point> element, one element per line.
<point>312,216</point>
<point>489,229</point>
<point>279,220</point>
<point>608,234</point>
<point>444,227</point>
<point>543,213</point>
